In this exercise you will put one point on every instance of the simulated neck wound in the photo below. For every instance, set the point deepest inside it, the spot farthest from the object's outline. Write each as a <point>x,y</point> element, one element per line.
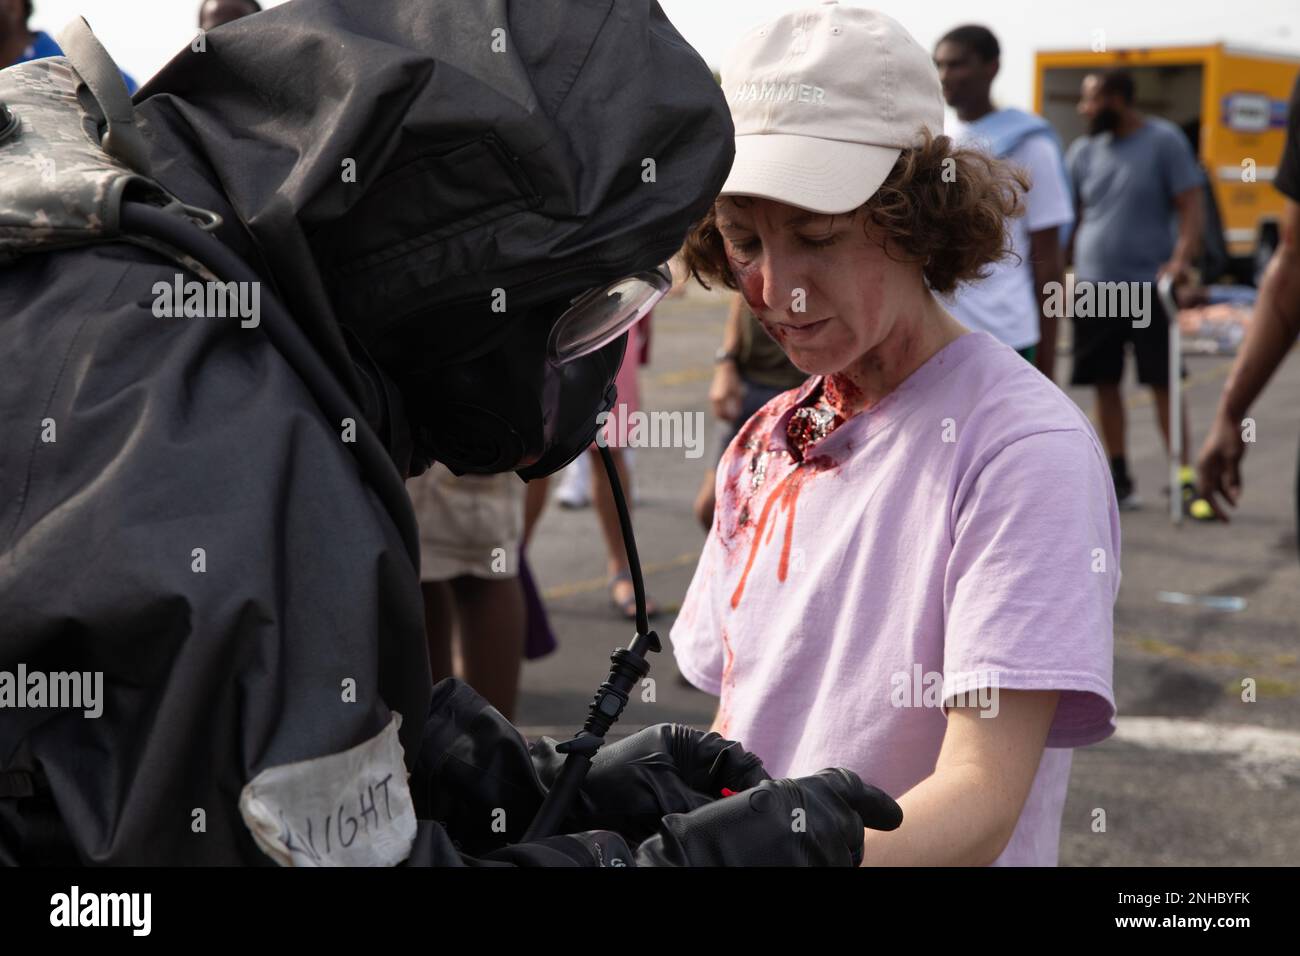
<point>812,421</point>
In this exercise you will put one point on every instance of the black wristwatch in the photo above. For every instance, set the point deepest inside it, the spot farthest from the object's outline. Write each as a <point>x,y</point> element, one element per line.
<point>722,355</point>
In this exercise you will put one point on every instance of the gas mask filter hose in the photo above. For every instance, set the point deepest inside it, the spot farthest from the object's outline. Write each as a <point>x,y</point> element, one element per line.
<point>629,666</point>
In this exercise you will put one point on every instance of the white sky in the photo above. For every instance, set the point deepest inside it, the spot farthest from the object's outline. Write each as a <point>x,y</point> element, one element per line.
<point>143,34</point>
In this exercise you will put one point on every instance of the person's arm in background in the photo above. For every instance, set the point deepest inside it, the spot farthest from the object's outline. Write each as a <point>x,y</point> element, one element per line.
<point>1191,223</point>
<point>1273,329</point>
<point>965,812</point>
<point>1048,206</point>
<point>1048,267</point>
<point>1074,167</point>
<point>726,397</point>
<point>1185,182</point>
<point>726,391</point>
<point>1067,260</point>
<point>1045,251</point>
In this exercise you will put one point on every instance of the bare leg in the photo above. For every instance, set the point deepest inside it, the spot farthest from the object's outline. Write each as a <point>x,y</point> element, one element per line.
<point>491,638</point>
<point>1110,415</point>
<point>534,505</point>
<point>437,626</point>
<point>602,496</point>
<point>704,500</point>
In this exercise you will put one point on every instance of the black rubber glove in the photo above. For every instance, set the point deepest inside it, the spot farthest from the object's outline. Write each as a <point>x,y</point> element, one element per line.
<point>592,848</point>
<point>434,847</point>
<point>762,826</point>
<point>637,781</point>
<point>476,776</point>
<point>473,773</point>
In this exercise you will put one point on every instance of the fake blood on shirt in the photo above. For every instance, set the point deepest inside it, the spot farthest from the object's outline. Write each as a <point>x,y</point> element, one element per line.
<point>810,423</point>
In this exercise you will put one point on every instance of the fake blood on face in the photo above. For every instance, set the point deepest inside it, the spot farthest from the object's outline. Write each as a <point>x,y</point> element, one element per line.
<point>750,280</point>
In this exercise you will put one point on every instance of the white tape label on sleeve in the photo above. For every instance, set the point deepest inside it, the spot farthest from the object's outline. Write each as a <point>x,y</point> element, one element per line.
<point>347,809</point>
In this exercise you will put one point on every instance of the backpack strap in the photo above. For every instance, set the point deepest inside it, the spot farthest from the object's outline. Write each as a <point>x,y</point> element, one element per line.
<point>72,153</point>
<point>102,77</point>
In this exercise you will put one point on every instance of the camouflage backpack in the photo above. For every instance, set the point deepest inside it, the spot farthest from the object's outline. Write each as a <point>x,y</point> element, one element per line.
<point>70,153</point>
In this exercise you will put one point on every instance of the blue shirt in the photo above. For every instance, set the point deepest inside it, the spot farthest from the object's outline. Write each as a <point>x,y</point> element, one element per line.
<point>43,45</point>
<point>1125,189</point>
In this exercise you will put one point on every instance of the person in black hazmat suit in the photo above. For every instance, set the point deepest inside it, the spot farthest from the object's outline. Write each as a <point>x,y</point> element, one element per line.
<point>201,499</point>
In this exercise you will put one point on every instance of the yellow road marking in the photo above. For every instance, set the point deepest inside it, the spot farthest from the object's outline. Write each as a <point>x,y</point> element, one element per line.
<point>596,584</point>
<point>695,373</point>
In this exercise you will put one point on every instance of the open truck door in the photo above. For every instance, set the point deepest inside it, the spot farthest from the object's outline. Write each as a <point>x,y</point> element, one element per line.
<point>1231,103</point>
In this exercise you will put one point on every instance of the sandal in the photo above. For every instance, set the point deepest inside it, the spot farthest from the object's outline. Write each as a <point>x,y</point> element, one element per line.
<point>628,607</point>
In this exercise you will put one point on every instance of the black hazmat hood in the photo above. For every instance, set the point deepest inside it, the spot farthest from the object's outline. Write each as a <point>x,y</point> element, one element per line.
<point>389,163</point>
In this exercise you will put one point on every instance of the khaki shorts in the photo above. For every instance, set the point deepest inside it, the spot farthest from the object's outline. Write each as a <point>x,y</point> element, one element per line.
<point>471,525</point>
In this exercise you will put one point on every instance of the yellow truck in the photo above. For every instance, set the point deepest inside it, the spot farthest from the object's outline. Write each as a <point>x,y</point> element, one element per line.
<point>1231,102</point>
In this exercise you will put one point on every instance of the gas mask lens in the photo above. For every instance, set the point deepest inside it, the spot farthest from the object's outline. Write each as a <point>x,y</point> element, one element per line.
<point>598,317</point>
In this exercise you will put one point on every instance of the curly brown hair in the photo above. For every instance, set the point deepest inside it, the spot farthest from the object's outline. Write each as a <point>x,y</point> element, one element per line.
<point>942,204</point>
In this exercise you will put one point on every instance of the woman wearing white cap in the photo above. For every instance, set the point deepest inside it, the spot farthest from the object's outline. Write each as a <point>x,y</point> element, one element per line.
<point>915,556</point>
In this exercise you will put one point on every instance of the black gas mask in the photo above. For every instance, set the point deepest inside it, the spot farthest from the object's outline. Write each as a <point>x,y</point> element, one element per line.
<point>529,400</point>
<point>532,403</point>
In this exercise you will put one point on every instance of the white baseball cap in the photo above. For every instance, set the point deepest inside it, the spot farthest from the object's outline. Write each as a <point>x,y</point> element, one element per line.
<point>824,99</point>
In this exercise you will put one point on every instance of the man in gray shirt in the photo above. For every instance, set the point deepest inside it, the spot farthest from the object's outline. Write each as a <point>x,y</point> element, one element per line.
<point>1131,175</point>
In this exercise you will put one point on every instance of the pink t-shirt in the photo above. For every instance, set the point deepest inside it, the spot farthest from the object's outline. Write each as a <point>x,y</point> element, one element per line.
<point>961,534</point>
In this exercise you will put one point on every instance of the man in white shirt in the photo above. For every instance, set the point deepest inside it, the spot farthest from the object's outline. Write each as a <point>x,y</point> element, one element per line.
<point>1009,304</point>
